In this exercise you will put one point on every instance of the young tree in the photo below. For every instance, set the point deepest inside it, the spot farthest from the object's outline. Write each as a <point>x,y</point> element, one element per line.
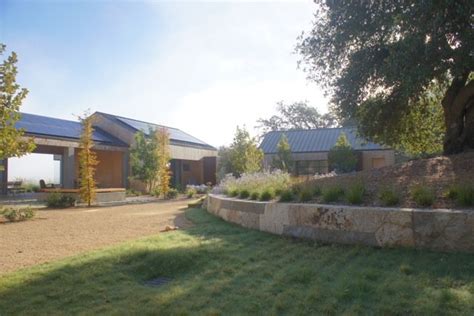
<point>87,161</point>
<point>245,156</point>
<point>144,159</point>
<point>283,161</point>
<point>224,164</point>
<point>12,141</point>
<point>378,57</point>
<point>163,158</point>
<point>298,115</point>
<point>342,157</point>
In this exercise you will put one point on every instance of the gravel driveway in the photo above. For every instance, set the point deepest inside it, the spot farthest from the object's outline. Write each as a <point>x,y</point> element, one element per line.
<point>55,234</point>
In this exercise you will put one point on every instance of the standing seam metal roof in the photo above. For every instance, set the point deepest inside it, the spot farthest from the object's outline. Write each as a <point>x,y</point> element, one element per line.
<point>177,136</point>
<point>53,127</point>
<point>315,140</point>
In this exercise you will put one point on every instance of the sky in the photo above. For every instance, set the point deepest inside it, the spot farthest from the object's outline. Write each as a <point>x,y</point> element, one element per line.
<point>203,67</point>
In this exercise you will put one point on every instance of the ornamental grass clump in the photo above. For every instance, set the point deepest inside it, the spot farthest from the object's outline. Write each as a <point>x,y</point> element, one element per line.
<point>355,194</point>
<point>462,194</point>
<point>267,195</point>
<point>17,214</point>
<point>254,196</point>
<point>389,197</point>
<point>287,196</point>
<point>276,181</point>
<point>306,195</point>
<point>332,194</point>
<point>422,196</point>
<point>244,194</point>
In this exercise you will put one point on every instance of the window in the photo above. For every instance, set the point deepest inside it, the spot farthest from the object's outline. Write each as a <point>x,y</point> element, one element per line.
<point>378,162</point>
<point>310,167</point>
<point>186,167</point>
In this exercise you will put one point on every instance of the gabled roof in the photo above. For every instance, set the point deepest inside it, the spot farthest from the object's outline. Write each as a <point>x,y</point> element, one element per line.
<point>315,140</point>
<point>37,125</point>
<point>177,136</point>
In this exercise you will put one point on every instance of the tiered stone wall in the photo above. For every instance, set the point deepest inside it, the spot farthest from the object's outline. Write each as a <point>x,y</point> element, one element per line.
<point>445,230</point>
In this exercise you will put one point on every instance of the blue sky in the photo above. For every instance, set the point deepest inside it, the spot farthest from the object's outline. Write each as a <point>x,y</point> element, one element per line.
<point>203,67</point>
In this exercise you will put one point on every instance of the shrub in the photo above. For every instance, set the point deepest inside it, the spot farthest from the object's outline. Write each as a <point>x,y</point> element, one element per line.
<point>422,196</point>
<point>464,195</point>
<point>306,195</point>
<point>244,194</point>
<point>266,195</point>
<point>355,194</point>
<point>254,196</point>
<point>17,215</point>
<point>190,192</point>
<point>58,200</point>
<point>233,193</point>
<point>332,194</point>
<point>132,192</point>
<point>172,193</point>
<point>389,197</point>
<point>155,192</point>
<point>287,196</point>
<point>316,191</point>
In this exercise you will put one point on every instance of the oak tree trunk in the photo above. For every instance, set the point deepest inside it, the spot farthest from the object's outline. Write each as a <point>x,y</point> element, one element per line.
<point>458,106</point>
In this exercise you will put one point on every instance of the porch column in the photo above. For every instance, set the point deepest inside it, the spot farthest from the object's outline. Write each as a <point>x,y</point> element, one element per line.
<point>68,168</point>
<point>125,169</point>
<point>3,176</point>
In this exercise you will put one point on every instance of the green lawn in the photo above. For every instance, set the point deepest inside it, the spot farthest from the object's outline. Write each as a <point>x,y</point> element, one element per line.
<point>219,268</point>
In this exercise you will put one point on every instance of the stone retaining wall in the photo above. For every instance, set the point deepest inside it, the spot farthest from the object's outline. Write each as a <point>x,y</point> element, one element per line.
<point>445,230</point>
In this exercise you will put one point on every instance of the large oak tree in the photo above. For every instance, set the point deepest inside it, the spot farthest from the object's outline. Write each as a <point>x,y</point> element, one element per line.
<point>378,59</point>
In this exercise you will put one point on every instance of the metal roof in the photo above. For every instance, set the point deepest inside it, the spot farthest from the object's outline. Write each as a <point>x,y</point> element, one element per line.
<point>177,136</point>
<point>315,140</point>
<point>58,128</point>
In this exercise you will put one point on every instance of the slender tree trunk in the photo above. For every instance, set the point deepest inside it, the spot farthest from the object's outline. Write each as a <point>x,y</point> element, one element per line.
<point>458,104</point>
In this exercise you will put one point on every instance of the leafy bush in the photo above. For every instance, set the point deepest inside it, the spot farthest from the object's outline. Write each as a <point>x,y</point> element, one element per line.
<point>155,192</point>
<point>58,200</point>
<point>389,197</point>
<point>254,196</point>
<point>18,214</point>
<point>287,196</point>
<point>266,195</point>
<point>463,194</point>
<point>355,194</point>
<point>190,192</point>
<point>31,187</point>
<point>244,194</point>
<point>172,193</point>
<point>422,196</point>
<point>306,195</point>
<point>332,194</point>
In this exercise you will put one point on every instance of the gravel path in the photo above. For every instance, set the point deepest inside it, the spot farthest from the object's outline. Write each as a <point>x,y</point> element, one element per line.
<point>55,234</point>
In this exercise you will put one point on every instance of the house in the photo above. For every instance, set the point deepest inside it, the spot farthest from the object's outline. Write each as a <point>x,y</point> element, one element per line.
<point>310,149</point>
<point>192,160</point>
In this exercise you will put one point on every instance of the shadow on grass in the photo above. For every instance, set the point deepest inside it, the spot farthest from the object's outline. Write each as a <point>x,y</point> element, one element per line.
<point>218,267</point>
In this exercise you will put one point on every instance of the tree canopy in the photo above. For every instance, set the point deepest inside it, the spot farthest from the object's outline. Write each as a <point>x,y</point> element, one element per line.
<point>12,143</point>
<point>282,160</point>
<point>298,115</point>
<point>342,157</point>
<point>242,156</point>
<point>87,161</point>
<point>144,159</point>
<point>377,59</point>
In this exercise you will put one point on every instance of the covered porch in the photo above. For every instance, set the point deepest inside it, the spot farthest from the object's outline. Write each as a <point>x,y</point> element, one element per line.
<point>111,172</point>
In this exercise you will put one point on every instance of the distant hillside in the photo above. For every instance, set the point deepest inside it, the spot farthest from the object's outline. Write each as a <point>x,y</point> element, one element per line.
<point>436,173</point>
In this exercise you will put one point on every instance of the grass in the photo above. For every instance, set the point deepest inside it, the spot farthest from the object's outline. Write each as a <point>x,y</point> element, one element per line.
<point>220,268</point>
<point>422,196</point>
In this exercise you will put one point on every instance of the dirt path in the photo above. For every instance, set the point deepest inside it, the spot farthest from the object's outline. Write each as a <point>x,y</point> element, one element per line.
<point>55,234</point>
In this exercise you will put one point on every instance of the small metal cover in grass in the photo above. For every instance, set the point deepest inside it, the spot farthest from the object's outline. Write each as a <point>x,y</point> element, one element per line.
<point>160,281</point>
